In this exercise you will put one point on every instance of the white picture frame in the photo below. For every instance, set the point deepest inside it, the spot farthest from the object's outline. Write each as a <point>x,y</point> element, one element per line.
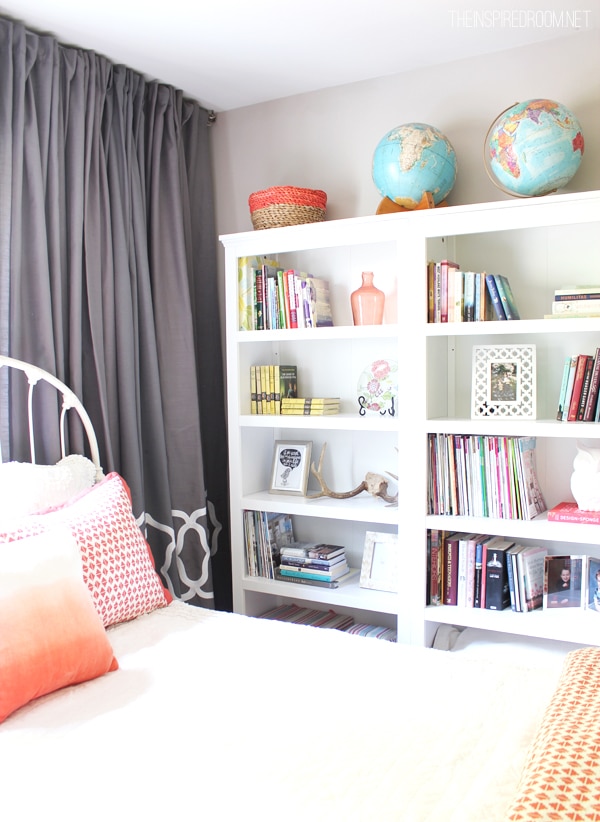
<point>291,463</point>
<point>503,384</point>
<point>379,568</point>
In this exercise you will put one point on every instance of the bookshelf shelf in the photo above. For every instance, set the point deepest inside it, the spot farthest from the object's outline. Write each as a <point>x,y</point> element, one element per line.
<point>541,244</point>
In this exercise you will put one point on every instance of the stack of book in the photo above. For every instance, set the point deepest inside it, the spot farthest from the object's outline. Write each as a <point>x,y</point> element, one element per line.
<point>309,616</point>
<point>310,405</point>
<point>273,297</point>
<point>575,301</point>
<point>467,296</point>
<point>578,399</point>
<point>269,384</point>
<point>314,563</point>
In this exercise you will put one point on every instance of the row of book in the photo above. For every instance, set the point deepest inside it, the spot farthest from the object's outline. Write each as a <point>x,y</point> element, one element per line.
<point>328,619</point>
<point>310,406</point>
<point>265,534</point>
<point>483,476</point>
<point>483,571</point>
<point>579,389</point>
<point>273,297</point>
<point>467,296</point>
<point>576,301</point>
<point>269,384</point>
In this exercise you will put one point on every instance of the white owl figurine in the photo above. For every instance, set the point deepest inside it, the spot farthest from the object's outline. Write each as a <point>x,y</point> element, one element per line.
<point>585,479</point>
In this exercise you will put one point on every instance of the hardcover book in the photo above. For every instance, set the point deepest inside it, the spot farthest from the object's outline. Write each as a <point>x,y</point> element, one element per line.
<point>531,562</point>
<point>497,594</point>
<point>288,381</point>
<point>570,512</point>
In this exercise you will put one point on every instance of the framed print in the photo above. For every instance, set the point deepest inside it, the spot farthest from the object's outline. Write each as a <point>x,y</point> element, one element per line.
<point>503,381</point>
<point>291,461</point>
<point>593,584</point>
<point>379,569</point>
<point>563,582</point>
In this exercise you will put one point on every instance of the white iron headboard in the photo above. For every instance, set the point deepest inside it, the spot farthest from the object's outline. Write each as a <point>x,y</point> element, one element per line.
<point>69,401</point>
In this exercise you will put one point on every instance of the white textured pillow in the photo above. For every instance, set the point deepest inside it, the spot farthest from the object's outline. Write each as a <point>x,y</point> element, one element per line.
<point>29,489</point>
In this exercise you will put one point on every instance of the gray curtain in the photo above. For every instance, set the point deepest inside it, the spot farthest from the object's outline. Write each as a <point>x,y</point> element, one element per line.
<point>108,280</point>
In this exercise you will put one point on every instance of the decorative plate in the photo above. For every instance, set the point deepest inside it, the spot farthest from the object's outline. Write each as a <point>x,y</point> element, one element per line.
<point>378,388</point>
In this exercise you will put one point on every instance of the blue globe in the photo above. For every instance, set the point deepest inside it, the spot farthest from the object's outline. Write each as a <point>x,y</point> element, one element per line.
<point>534,148</point>
<point>411,161</point>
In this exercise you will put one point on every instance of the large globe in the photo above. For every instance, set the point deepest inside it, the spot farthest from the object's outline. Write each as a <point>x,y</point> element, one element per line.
<point>534,148</point>
<point>411,161</point>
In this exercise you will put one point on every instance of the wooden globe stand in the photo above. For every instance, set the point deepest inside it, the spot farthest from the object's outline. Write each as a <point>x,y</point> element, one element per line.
<point>387,206</point>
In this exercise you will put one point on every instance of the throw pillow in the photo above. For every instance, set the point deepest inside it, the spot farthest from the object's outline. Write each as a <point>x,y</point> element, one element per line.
<point>118,567</point>
<point>50,633</point>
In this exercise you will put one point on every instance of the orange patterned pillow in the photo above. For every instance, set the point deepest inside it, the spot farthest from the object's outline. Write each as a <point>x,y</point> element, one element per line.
<point>117,564</point>
<point>561,779</point>
<point>50,633</point>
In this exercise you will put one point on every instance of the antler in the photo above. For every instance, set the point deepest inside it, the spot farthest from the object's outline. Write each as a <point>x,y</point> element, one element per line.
<point>375,484</point>
<point>327,492</point>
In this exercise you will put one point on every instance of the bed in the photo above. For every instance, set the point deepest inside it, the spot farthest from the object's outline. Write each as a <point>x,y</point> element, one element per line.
<point>166,710</point>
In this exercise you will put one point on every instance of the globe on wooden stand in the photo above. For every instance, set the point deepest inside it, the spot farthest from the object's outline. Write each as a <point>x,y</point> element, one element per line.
<point>414,167</point>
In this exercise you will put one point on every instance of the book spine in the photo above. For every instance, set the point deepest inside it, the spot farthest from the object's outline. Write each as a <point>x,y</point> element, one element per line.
<point>576,307</point>
<point>574,296</point>
<point>291,291</point>
<point>253,404</point>
<point>450,570</point>
<point>577,386</point>
<point>469,296</point>
<point>507,297</point>
<point>592,400</point>
<point>563,388</point>
<point>585,518</point>
<point>585,388</point>
<point>307,575</point>
<point>494,297</point>
<point>305,581</point>
<point>259,316</point>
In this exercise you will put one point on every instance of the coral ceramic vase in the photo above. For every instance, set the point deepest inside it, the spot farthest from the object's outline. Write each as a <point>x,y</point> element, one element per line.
<point>367,302</point>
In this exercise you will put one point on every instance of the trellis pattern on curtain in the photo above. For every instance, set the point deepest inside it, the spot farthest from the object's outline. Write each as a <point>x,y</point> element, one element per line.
<point>108,279</point>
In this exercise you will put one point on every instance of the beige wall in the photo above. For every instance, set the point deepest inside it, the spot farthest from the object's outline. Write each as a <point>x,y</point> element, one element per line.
<point>326,139</point>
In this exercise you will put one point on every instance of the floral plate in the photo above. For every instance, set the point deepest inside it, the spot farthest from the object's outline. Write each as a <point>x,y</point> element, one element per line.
<point>378,388</point>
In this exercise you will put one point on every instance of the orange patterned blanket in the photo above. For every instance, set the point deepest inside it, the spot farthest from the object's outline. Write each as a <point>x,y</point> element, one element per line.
<point>561,780</point>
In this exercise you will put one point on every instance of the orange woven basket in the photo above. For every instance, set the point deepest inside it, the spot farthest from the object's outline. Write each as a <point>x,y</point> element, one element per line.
<point>286,205</point>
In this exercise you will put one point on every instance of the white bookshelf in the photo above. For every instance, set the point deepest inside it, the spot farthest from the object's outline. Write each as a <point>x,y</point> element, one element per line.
<point>540,244</point>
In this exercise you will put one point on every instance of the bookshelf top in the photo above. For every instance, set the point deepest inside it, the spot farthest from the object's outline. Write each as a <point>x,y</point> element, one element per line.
<point>463,219</point>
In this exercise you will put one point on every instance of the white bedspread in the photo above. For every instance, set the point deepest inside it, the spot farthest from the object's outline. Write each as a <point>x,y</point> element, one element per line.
<point>221,717</point>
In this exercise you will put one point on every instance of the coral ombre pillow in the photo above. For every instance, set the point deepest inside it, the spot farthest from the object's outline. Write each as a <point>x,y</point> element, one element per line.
<point>50,633</point>
<point>116,560</point>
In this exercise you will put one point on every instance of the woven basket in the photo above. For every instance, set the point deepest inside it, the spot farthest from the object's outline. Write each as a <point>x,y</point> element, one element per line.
<point>285,205</point>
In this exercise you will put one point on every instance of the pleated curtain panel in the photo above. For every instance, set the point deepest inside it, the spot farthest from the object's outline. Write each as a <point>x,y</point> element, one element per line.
<point>108,279</point>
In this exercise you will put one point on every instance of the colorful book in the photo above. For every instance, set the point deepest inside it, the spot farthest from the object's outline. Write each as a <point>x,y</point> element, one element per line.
<point>569,389</point>
<point>447,269</point>
<point>570,512</point>
<point>582,361</point>
<point>585,388</point>
<point>531,562</point>
<point>563,388</point>
<point>495,297</point>
<point>324,550</point>
<point>288,381</point>
<point>506,297</point>
<point>450,567</point>
<point>592,399</point>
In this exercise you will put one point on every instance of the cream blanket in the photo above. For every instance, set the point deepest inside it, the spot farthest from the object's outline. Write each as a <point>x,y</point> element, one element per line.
<point>221,717</point>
